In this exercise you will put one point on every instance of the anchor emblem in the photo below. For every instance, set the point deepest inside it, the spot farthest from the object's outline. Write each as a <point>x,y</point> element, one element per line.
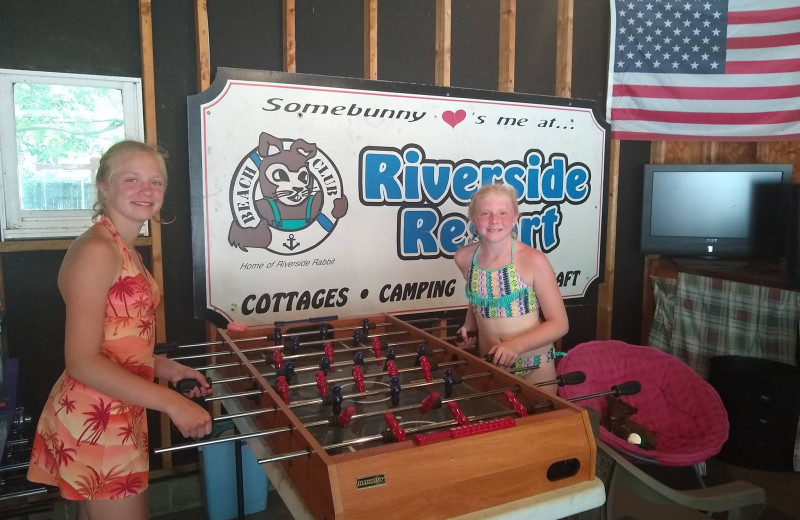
<point>291,244</point>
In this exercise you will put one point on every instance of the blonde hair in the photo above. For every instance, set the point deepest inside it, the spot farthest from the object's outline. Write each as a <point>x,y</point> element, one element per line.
<point>492,189</point>
<point>110,163</point>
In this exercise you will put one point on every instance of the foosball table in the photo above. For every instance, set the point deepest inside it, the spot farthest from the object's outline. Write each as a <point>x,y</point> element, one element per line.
<point>378,417</point>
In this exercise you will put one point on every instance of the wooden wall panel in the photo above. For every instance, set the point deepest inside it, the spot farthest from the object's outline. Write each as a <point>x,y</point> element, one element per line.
<point>781,152</point>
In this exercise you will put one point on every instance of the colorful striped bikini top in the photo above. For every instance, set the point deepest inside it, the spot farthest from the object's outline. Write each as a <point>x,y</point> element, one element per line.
<point>499,293</point>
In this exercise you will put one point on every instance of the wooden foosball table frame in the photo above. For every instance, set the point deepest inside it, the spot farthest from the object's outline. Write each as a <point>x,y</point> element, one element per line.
<point>544,451</point>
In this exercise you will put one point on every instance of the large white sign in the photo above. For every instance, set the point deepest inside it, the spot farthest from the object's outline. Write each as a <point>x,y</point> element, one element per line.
<point>318,196</point>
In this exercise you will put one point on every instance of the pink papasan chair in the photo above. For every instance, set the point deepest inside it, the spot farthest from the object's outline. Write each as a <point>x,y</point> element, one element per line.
<point>684,411</point>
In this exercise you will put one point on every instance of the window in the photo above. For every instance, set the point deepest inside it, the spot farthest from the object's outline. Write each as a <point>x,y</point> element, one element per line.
<point>53,129</point>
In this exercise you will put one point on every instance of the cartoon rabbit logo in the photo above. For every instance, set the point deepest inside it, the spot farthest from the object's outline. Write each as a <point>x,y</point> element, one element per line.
<point>291,204</point>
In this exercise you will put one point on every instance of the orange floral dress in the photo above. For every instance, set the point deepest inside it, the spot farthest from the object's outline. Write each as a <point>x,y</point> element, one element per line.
<point>90,445</point>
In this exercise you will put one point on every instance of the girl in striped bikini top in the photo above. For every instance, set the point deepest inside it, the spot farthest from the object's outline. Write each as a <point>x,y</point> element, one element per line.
<point>499,293</point>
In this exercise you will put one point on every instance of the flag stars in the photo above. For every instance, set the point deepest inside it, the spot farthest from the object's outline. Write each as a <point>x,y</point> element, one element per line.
<point>690,40</point>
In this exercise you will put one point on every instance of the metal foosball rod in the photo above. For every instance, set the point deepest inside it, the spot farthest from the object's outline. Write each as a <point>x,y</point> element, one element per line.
<point>422,351</point>
<point>391,435</point>
<point>357,343</point>
<point>351,364</point>
<point>167,347</point>
<point>209,442</point>
<point>287,429</point>
<point>572,378</point>
<point>493,421</point>
<point>332,366</point>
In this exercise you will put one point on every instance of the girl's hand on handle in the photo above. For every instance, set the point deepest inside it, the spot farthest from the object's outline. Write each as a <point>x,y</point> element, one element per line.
<point>503,354</point>
<point>191,419</point>
<point>201,389</point>
<point>175,372</point>
<point>465,336</point>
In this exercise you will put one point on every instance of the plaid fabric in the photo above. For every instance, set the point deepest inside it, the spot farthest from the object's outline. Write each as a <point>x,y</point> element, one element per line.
<point>697,318</point>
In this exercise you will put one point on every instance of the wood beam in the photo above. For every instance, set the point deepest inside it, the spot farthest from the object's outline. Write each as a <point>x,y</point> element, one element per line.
<point>508,24</point>
<point>149,100</point>
<point>371,39</point>
<point>202,44</point>
<point>442,42</point>
<point>605,293</point>
<point>289,37</point>
<point>565,29</point>
<point>151,137</point>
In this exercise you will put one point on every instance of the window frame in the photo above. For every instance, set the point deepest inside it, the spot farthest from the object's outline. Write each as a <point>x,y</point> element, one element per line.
<point>16,223</point>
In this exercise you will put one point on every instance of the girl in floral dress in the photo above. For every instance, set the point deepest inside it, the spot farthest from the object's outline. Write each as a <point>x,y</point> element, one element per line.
<point>91,441</point>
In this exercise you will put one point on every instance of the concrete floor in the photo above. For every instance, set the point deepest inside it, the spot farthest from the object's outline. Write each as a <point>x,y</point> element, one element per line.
<point>782,491</point>
<point>180,498</point>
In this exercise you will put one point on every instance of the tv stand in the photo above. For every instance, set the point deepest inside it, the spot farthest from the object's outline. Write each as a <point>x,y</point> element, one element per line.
<point>709,263</point>
<point>767,273</point>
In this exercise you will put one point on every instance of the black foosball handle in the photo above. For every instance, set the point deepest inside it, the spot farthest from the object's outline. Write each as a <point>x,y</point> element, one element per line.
<point>306,320</point>
<point>571,378</point>
<point>184,386</point>
<point>627,388</point>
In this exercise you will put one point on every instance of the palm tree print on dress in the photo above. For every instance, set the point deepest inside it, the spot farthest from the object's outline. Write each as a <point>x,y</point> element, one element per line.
<point>97,421</point>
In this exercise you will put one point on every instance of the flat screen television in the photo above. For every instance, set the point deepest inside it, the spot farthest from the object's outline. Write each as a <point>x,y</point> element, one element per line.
<point>719,211</point>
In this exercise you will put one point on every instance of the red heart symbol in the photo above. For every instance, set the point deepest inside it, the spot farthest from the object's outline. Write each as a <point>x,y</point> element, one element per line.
<point>453,118</point>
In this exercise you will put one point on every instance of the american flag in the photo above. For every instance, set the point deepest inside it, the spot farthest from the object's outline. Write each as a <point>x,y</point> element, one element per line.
<point>705,70</point>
